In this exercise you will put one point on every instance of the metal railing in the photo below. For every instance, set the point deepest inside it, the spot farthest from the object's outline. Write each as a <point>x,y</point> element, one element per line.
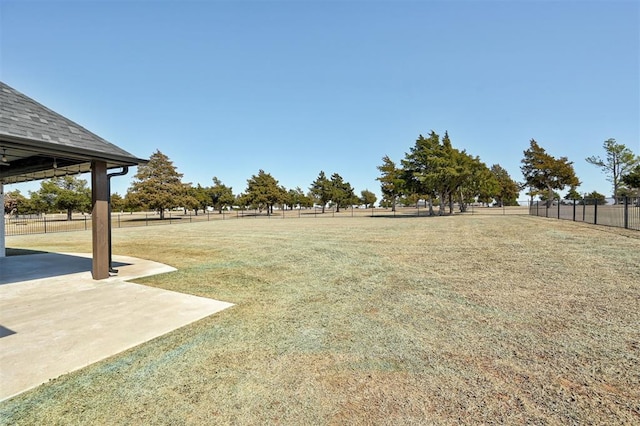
<point>42,224</point>
<point>623,215</point>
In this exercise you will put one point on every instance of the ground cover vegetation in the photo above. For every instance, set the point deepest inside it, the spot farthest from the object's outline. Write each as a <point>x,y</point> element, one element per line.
<point>449,320</point>
<point>432,172</point>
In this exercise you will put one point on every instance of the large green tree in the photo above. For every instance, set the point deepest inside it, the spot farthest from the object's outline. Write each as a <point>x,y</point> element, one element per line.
<point>321,189</point>
<point>117,202</point>
<point>595,198</point>
<point>201,195</point>
<point>190,198</point>
<point>478,181</point>
<point>545,173</point>
<point>342,193</point>
<point>419,167</point>
<point>67,193</point>
<point>508,189</point>
<point>392,183</point>
<point>618,161</point>
<point>263,191</point>
<point>367,198</point>
<point>632,179</point>
<point>297,197</point>
<point>434,168</point>
<point>157,185</point>
<point>15,202</point>
<point>221,195</point>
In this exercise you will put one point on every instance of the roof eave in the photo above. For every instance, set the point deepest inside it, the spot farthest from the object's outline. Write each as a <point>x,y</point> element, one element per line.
<point>56,149</point>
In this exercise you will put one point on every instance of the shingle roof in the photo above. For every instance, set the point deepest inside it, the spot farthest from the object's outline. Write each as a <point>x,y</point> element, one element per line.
<point>29,125</point>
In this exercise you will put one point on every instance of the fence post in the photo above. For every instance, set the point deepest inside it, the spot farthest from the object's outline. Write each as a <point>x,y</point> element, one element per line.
<point>595,211</point>
<point>118,221</point>
<point>559,202</point>
<point>574,209</point>
<point>146,219</point>
<point>584,209</point>
<point>85,222</point>
<point>626,212</point>
<point>45,223</point>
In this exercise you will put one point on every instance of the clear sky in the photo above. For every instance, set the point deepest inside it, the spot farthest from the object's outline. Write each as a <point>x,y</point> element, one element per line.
<point>225,88</point>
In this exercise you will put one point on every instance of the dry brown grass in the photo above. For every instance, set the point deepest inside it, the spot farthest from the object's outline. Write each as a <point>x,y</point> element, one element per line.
<point>469,319</point>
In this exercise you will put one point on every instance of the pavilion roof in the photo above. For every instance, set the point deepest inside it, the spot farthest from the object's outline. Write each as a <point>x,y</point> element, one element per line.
<point>39,143</point>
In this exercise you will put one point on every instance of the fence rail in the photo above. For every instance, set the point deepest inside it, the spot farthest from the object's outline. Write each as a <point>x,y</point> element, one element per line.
<point>624,215</point>
<point>42,224</point>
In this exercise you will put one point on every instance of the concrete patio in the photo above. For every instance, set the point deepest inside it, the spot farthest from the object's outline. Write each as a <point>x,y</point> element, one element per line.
<point>54,318</point>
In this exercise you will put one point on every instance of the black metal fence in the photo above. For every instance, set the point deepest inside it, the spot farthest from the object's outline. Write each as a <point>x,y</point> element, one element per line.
<point>42,224</point>
<point>623,215</point>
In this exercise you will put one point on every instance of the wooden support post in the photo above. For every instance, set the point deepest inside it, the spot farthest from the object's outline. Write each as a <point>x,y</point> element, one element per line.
<point>100,220</point>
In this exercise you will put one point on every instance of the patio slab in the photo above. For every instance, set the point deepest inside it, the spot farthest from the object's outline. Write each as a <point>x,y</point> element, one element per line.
<point>54,318</point>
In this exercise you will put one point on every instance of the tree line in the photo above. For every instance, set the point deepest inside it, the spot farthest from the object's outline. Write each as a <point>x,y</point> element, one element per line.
<point>433,171</point>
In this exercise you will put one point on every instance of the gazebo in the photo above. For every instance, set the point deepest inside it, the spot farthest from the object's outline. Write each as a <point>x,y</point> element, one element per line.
<point>38,143</point>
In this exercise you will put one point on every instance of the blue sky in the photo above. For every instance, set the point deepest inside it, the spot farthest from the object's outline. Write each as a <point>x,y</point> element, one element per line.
<point>294,87</point>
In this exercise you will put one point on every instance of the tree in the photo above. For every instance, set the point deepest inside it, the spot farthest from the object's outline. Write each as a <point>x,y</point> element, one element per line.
<point>67,193</point>
<point>595,198</point>
<point>14,202</point>
<point>632,179</point>
<point>543,172</point>
<point>619,160</point>
<point>476,181</point>
<point>367,198</point>
<point>573,194</point>
<point>158,185</point>
<point>263,191</point>
<point>202,196</point>
<point>508,189</point>
<point>435,169</point>
<point>341,192</point>
<point>190,198</point>
<point>549,198</point>
<point>221,195</point>
<point>242,201</point>
<point>321,189</point>
<point>296,197</point>
<point>117,202</point>
<point>420,165</point>
<point>392,183</point>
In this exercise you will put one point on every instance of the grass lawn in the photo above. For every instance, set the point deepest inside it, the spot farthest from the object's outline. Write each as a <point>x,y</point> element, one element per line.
<point>466,319</point>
